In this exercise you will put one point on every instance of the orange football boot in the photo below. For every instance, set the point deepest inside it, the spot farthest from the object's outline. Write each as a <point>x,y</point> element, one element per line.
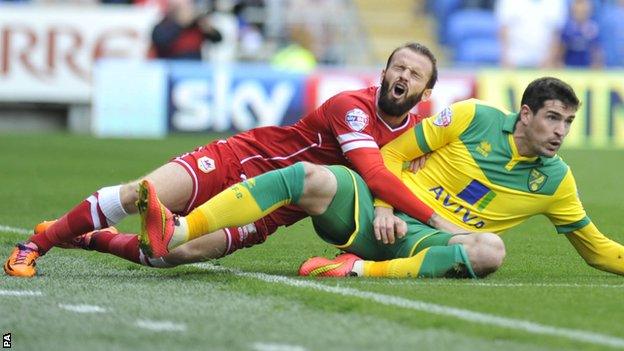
<point>157,222</point>
<point>341,266</point>
<point>22,263</point>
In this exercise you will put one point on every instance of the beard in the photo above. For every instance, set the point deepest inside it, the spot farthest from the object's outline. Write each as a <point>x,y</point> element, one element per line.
<point>393,108</point>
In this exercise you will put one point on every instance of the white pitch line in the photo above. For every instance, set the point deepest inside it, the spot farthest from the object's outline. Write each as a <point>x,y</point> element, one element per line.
<point>427,307</point>
<point>83,308</point>
<point>263,346</point>
<point>432,282</point>
<point>160,325</point>
<point>468,315</point>
<point>495,285</point>
<point>20,293</point>
<point>5,228</point>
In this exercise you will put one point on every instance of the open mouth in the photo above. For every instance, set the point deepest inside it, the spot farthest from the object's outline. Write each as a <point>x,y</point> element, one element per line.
<point>399,90</point>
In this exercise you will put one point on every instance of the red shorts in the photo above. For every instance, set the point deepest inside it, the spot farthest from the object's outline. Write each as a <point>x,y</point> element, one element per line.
<point>213,168</point>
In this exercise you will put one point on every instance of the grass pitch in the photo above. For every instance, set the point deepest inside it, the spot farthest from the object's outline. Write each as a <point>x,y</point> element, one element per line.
<point>543,298</point>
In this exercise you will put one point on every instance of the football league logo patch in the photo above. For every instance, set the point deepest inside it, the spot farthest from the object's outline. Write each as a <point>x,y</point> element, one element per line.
<point>357,119</point>
<point>537,180</point>
<point>444,118</point>
<point>206,164</point>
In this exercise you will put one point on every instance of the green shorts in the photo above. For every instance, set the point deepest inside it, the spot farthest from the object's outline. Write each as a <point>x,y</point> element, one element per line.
<point>348,223</point>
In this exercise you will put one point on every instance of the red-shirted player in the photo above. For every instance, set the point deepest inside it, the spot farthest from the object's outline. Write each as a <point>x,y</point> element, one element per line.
<point>347,129</point>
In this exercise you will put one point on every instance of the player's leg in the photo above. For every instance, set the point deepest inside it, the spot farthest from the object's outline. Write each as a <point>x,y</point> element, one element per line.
<point>201,249</point>
<point>176,186</point>
<point>309,186</point>
<point>211,168</point>
<point>104,208</point>
<point>346,221</point>
<point>486,251</point>
<point>438,255</point>
<point>109,205</point>
<point>222,242</point>
<point>444,255</point>
<point>424,252</point>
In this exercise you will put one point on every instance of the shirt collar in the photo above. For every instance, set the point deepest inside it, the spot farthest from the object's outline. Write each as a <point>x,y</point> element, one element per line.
<point>510,122</point>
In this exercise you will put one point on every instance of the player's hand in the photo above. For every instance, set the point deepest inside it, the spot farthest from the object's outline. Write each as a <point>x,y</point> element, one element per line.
<point>418,163</point>
<point>388,226</point>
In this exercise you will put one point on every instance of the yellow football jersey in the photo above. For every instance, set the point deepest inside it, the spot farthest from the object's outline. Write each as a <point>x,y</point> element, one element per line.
<point>476,179</point>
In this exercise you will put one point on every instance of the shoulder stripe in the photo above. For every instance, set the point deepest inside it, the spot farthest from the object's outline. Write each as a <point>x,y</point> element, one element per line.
<point>420,138</point>
<point>343,138</point>
<point>359,145</point>
<point>567,228</point>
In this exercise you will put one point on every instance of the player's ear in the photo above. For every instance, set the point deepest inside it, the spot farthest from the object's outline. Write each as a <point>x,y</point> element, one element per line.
<point>382,76</point>
<point>426,95</point>
<point>525,114</point>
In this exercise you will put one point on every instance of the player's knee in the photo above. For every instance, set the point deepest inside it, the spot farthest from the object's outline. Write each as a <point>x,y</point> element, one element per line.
<point>128,195</point>
<point>319,189</point>
<point>314,175</point>
<point>486,252</point>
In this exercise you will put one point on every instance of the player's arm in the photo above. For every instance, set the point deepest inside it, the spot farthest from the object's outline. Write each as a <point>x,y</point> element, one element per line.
<point>352,129</point>
<point>569,217</point>
<point>427,136</point>
<point>597,250</point>
<point>385,185</point>
<point>388,187</point>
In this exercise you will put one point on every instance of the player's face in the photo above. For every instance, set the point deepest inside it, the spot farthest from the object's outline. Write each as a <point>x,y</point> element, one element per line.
<point>404,82</point>
<point>546,129</point>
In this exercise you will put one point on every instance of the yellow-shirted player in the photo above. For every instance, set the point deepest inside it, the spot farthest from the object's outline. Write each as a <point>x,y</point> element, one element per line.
<point>488,171</point>
<point>479,179</point>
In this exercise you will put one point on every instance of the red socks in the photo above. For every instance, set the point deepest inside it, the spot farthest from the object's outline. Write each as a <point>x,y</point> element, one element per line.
<point>100,210</point>
<point>125,246</point>
<point>76,222</point>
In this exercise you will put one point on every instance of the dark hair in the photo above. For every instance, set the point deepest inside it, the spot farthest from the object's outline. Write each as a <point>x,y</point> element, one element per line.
<point>423,50</point>
<point>548,88</point>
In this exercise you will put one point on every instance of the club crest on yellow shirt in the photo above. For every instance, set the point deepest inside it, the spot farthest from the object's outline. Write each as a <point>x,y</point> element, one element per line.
<point>537,180</point>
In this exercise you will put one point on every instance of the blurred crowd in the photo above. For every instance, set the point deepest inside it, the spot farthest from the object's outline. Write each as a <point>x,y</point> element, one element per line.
<point>299,34</point>
<point>228,30</point>
<point>532,33</point>
<point>295,34</point>
<point>290,34</point>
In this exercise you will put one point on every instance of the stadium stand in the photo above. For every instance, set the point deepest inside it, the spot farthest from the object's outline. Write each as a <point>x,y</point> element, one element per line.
<point>391,23</point>
<point>472,35</point>
<point>612,28</point>
<point>442,11</point>
<point>469,32</point>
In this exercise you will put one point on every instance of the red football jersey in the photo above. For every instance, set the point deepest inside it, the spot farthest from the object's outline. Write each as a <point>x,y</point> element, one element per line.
<point>344,130</point>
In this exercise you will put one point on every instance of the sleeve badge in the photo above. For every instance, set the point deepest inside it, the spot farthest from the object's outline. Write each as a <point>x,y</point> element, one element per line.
<point>444,118</point>
<point>357,119</point>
